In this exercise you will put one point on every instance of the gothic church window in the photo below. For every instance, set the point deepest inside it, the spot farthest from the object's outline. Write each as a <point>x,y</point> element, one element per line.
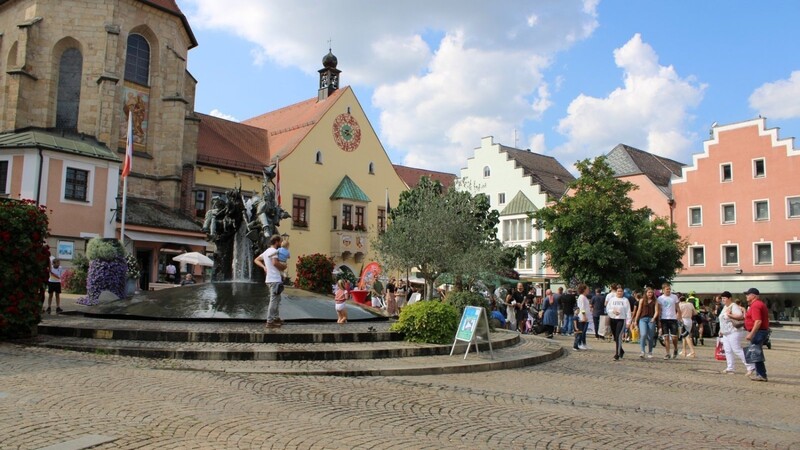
<point>137,60</point>
<point>69,89</point>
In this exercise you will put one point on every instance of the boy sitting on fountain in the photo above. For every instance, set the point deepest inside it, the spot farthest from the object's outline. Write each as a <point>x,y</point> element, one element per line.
<point>283,256</point>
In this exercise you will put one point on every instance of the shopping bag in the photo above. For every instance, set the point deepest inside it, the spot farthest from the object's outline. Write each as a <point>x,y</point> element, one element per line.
<point>635,334</point>
<point>719,351</point>
<point>753,354</point>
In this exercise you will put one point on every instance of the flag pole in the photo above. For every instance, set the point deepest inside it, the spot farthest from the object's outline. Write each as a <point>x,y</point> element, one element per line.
<point>126,170</point>
<point>124,210</point>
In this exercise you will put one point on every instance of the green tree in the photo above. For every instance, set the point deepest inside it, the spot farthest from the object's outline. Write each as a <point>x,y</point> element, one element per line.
<point>595,235</point>
<point>438,231</point>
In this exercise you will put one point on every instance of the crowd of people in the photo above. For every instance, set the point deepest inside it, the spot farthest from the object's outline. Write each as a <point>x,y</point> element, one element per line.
<point>653,315</point>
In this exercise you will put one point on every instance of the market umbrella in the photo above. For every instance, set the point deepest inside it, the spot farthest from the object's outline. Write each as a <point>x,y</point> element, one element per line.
<point>195,258</point>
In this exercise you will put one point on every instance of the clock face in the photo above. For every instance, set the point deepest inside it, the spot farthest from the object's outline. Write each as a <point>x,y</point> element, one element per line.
<point>346,132</point>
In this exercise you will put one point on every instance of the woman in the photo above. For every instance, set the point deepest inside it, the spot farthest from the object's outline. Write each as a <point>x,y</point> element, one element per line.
<point>619,315</point>
<point>731,334</point>
<point>391,304</point>
<point>645,320</point>
<point>582,318</point>
<point>687,317</point>
<point>549,314</point>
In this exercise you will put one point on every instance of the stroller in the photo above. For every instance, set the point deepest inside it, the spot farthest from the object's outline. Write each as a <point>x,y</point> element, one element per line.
<point>533,325</point>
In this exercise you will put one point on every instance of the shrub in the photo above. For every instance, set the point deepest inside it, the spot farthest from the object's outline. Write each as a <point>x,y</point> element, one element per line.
<point>428,321</point>
<point>24,261</point>
<point>134,271</point>
<point>104,249</point>
<point>75,282</point>
<point>315,273</point>
<point>462,299</point>
<point>105,276</point>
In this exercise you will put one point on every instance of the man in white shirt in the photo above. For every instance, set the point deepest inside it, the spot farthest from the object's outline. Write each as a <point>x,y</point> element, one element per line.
<point>670,316</point>
<point>269,262</point>
<point>54,285</point>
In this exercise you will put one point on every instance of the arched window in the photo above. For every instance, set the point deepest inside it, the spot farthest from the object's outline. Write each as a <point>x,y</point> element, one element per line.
<point>69,89</point>
<point>372,168</point>
<point>318,157</point>
<point>137,60</point>
<point>487,172</point>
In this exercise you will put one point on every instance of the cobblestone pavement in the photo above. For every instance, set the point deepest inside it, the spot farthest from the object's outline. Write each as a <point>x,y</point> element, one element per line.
<point>582,400</point>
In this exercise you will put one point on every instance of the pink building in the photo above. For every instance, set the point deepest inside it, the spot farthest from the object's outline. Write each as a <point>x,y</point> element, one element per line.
<point>738,206</point>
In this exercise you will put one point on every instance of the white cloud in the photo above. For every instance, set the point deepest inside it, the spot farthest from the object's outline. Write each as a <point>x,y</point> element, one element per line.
<point>537,144</point>
<point>444,73</point>
<point>778,100</point>
<point>650,111</point>
<point>217,113</point>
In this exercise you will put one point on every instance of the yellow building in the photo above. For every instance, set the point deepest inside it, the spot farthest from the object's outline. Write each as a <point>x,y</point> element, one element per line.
<point>335,175</point>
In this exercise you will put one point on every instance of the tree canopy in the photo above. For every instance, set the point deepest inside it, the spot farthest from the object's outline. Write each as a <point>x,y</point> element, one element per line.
<point>597,237</point>
<point>441,231</point>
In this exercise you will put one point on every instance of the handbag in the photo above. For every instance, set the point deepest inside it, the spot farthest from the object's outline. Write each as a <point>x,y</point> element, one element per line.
<point>737,323</point>
<point>719,351</point>
<point>754,354</point>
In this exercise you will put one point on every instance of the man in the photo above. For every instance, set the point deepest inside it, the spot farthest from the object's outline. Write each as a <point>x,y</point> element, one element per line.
<point>598,309</point>
<point>269,262</point>
<point>756,322</point>
<point>171,270</point>
<point>670,315</point>
<point>514,303</point>
<point>54,286</point>
<point>567,304</point>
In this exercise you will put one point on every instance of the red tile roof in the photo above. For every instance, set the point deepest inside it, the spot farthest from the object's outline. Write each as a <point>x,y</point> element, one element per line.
<point>231,145</point>
<point>288,126</point>
<point>412,175</point>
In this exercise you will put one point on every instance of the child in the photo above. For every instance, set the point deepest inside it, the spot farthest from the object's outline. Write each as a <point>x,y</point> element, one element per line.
<point>283,256</point>
<point>339,299</point>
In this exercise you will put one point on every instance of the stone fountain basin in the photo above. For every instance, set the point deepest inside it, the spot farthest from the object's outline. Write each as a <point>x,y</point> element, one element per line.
<point>228,301</point>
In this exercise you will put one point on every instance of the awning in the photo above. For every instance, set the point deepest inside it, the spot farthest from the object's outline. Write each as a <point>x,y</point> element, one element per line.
<point>166,238</point>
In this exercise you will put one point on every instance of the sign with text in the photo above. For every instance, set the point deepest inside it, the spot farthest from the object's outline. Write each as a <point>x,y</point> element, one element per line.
<point>473,319</point>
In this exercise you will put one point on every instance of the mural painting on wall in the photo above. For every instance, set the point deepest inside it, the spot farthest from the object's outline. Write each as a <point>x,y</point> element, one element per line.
<point>136,100</point>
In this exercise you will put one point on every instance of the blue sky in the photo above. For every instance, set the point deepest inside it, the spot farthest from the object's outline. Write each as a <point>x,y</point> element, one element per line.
<point>570,78</point>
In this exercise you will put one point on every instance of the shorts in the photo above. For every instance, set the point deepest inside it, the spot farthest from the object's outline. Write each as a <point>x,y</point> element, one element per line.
<point>340,306</point>
<point>53,286</point>
<point>669,327</point>
<point>687,324</point>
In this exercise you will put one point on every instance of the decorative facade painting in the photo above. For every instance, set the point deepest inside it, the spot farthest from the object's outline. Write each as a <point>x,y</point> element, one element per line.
<point>136,100</point>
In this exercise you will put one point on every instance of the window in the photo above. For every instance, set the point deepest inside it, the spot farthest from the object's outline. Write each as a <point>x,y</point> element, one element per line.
<point>729,213</point>
<point>730,255</point>
<point>517,230</point>
<point>501,198</point>
<point>793,207</point>
<point>335,225</point>
<point>764,253</point>
<point>76,184</point>
<point>759,168</point>
<point>318,157</point>
<point>794,252</point>
<point>200,203</point>
<point>761,210</point>
<point>4,177</point>
<point>137,60</point>
<point>381,220</point>
<point>299,212</point>
<point>347,217</point>
<point>372,168</point>
<point>360,225</point>
<point>487,172</point>
<point>69,89</point>
<point>726,172</point>
<point>695,216</point>
<point>525,261</point>
<point>697,256</point>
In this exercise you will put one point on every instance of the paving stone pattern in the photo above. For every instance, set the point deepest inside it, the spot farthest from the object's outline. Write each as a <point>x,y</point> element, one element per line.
<point>581,400</point>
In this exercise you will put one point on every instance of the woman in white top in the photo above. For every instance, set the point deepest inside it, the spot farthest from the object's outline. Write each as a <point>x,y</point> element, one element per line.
<point>581,318</point>
<point>731,334</point>
<point>619,316</point>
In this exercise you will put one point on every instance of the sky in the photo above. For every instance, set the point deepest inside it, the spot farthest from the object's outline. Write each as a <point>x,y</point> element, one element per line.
<point>569,79</point>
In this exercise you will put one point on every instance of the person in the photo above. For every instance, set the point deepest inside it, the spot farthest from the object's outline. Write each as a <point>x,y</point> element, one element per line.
<point>268,261</point>
<point>581,318</point>
<point>619,315</point>
<point>688,312</point>
<point>598,309</point>
<point>560,313</point>
<point>670,314</point>
<point>645,320</point>
<point>567,302</point>
<point>171,271</point>
<point>391,303</point>
<point>339,301</point>
<point>283,256</point>
<point>54,286</point>
<point>549,313</point>
<point>188,279</point>
<point>731,323</point>
<point>756,322</point>
<point>694,301</point>
<point>514,303</point>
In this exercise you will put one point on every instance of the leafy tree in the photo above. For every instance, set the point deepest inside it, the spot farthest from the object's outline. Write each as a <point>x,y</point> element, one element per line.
<point>595,235</point>
<point>438,231</point>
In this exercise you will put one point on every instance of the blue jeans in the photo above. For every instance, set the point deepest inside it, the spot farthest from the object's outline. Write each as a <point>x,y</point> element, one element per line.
<point>647,333</point>
<point>568,325</point>
<point>580,338</point>
<point>273,310</point>
<point>759,338</point>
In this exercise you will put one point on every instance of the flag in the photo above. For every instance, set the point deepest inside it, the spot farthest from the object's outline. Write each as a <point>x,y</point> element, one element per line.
<point>126,166</point>
<point>278,181</point>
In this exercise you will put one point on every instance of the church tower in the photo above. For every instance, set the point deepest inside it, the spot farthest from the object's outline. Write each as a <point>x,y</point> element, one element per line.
<point>328,76</point>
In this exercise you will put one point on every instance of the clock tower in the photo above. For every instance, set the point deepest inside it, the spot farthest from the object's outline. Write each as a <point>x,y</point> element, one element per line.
<point>328,76</point>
